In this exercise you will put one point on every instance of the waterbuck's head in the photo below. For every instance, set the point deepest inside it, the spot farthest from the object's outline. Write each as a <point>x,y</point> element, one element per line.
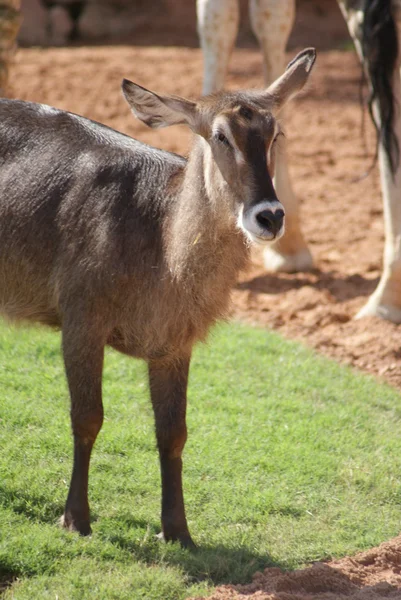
<point>239,132</point>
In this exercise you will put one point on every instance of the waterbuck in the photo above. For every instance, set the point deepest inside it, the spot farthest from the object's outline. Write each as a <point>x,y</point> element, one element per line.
<point>118,243</point>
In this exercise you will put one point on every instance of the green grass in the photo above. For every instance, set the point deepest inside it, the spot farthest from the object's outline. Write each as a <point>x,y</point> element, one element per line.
<point>290,459</point>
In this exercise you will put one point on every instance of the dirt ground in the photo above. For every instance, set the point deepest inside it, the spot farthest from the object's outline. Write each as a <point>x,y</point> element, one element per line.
<point>371,575</point>
<point>341,212</point>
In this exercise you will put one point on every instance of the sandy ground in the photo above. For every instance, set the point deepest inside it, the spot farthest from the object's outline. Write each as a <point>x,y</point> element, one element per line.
<point>342,221</point>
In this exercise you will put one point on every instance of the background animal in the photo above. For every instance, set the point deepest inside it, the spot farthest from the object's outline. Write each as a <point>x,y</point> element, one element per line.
<point>118,243</point>
<point>375,28</point>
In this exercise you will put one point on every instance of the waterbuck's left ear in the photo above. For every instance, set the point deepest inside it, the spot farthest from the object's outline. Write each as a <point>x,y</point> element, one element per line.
<point>293,79</point>
<point>159,111</point>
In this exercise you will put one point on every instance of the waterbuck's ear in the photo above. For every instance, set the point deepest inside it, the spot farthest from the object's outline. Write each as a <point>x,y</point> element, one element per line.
<point>293,79</point>
<point>159,111</point>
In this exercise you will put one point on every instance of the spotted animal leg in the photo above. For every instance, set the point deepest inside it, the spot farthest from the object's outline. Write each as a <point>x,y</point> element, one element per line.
<point>385,302</point>
<point>272,21</point>
<point>217,27</point>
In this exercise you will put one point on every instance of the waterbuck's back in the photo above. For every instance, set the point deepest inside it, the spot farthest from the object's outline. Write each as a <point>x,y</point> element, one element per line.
<point>81,210</point>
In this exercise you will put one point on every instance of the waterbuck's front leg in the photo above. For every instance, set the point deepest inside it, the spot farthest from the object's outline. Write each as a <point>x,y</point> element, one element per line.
<point>83,351</point>
<point>168,388</point>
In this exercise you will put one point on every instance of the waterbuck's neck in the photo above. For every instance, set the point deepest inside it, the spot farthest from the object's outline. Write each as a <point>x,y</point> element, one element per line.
<point>202,227</point>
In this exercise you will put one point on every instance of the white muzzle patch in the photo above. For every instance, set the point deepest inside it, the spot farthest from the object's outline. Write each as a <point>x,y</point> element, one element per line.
<point>262,223</point>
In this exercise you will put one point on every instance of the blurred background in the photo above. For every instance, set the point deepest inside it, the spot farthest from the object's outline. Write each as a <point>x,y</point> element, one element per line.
<point>160,22</point>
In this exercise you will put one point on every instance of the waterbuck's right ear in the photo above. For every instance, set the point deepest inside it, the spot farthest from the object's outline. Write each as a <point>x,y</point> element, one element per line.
<point>293,79</point>
<point>159,111</point>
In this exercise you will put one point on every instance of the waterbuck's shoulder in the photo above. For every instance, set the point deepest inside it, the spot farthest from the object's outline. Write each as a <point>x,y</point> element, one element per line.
<point>38,124</point>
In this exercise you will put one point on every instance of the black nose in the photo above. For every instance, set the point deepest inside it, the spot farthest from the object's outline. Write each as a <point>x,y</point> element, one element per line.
<point>271,220</point>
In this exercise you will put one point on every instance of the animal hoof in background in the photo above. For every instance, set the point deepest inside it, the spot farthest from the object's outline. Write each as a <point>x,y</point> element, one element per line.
<point>185,540</point>
<point>287,263</point>
<point>80,526</point>
<point>373,308</point>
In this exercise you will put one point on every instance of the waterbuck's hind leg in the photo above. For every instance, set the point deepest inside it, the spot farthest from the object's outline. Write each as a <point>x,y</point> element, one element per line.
<point>168,387</point>
<point>83,350</point>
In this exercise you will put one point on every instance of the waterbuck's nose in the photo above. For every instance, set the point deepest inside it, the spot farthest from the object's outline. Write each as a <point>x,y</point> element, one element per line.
<point>271,220</point>
<point>263,222</point>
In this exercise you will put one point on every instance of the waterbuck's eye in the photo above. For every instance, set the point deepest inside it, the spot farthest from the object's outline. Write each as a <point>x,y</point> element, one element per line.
<point>220,137</point>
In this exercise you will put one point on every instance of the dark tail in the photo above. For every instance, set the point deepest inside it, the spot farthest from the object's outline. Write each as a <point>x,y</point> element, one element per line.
<point>380,51</point>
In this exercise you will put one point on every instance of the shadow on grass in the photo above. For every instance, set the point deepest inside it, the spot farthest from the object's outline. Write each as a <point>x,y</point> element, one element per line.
<point>34,506</point>
<point>215,563</point>
<point>7,578</point>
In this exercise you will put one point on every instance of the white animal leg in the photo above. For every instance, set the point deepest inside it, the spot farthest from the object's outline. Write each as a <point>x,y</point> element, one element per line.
<point>385,301</point>
<point>272,21</point>
<point>217,27</point>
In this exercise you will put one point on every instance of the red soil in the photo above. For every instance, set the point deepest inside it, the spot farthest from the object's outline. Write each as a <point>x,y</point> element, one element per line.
<point>371,575</point>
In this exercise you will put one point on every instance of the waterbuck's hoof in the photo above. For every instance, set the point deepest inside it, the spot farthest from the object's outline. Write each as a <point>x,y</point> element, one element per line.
<point>184,539</point>
<point>287,263</point>
<point>80,526</point>
<point>187,542</point>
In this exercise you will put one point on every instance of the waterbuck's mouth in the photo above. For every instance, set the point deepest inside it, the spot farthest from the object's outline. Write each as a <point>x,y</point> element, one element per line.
<point>266,238</point>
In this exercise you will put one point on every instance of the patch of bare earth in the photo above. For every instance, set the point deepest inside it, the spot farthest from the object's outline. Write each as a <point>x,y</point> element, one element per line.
<point>371,575</point>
